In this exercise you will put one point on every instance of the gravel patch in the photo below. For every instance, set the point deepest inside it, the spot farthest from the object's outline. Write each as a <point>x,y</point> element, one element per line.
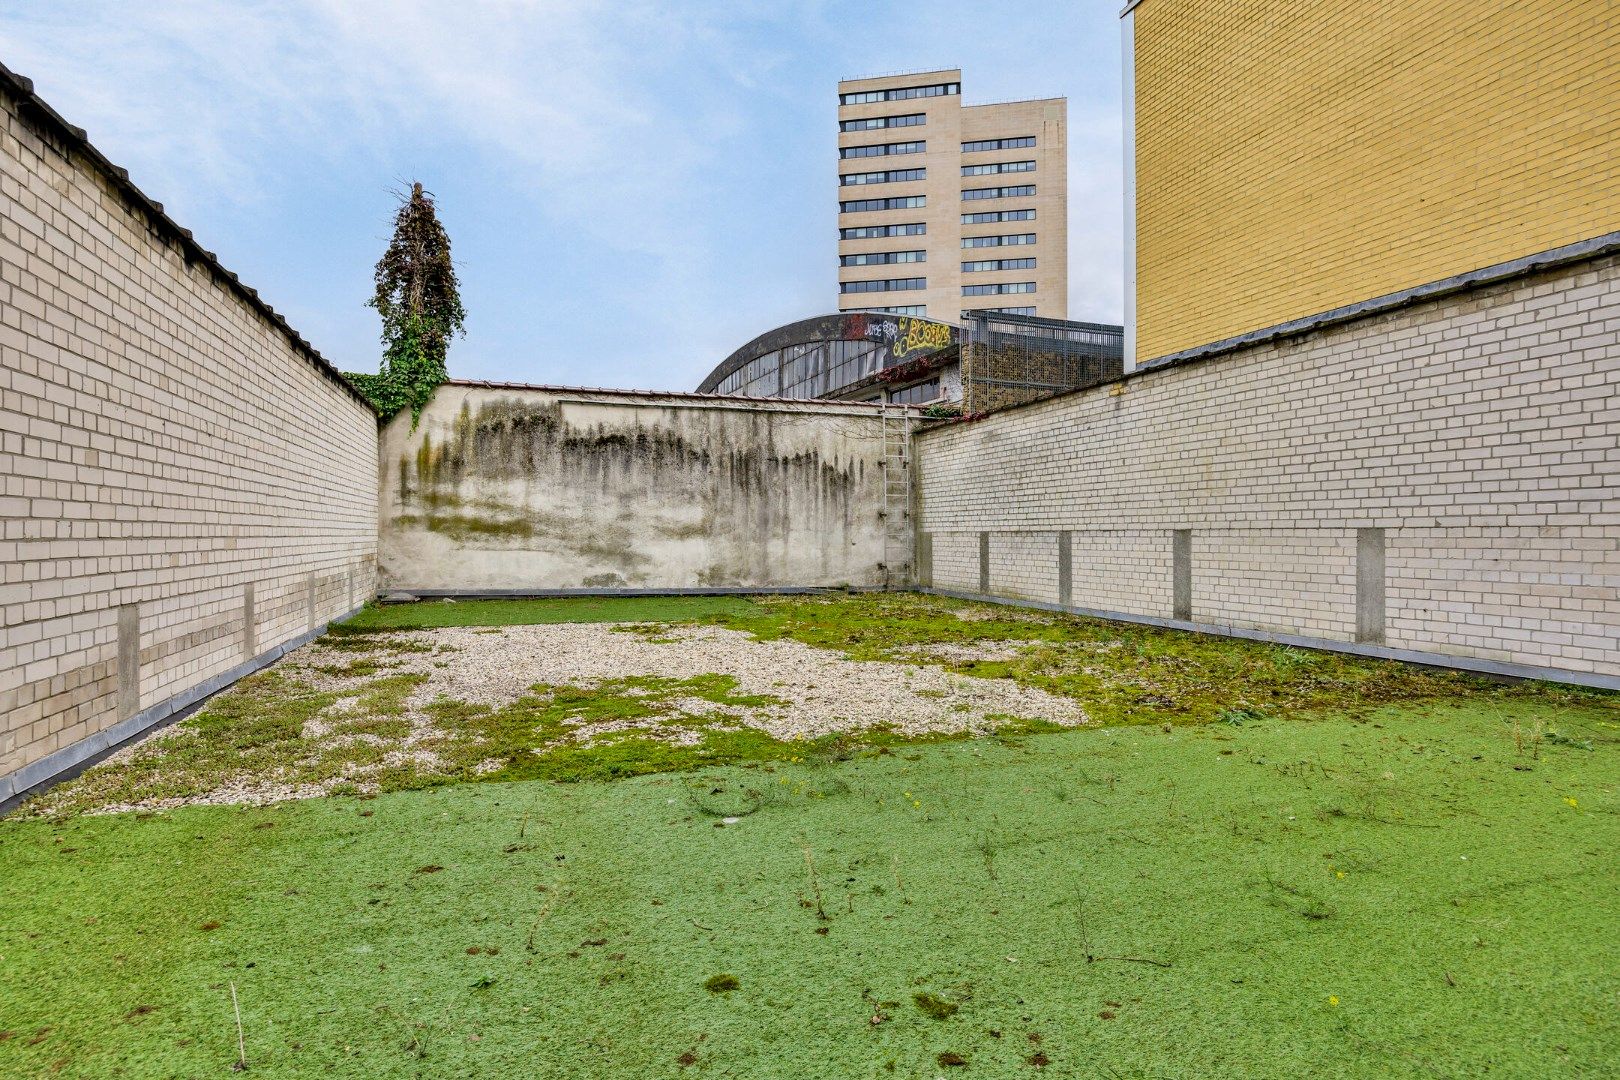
<point>823,691</point>
<point>235,792</point>
<point>800,692</point>
<point>990,613</point>
<point>956,652</point>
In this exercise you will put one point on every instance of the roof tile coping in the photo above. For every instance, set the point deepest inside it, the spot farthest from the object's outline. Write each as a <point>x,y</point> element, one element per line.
<point>22,88</point>
<point>1597,247</point>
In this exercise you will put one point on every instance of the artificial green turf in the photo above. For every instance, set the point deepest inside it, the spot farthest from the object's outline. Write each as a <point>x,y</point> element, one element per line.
<point>425,614</point>
<point>1414,893</point>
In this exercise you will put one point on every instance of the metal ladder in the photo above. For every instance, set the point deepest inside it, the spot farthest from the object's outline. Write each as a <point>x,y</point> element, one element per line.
<point>896,512</point>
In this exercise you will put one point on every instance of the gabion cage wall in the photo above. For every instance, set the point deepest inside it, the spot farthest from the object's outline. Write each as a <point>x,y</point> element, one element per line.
<point>1013,359</point>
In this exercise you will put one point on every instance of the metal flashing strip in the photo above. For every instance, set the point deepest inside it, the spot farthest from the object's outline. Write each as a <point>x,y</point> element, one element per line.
<point>1580,251</point>
<point>778,406</point>
<point>784,404</point>
<point>69,760</point>
<point>1380,652</point>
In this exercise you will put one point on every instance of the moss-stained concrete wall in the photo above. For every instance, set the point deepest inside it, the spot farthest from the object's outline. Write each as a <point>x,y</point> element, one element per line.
<point>513,487</point>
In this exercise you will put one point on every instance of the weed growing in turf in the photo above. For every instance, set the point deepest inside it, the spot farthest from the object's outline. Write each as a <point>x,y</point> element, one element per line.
<point>721,984</point>
<point>933,1006</point>
<point>1301,902</point>
<point>1521,739</point>
<point>1555,739</point>
<point>987,843</point>
<point>815,887</point>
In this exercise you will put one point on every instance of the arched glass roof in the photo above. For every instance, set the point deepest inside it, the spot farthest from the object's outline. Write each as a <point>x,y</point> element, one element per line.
<point>820,356</point>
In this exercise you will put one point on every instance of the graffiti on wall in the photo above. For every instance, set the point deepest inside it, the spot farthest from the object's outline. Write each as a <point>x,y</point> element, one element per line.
<point>915,335</point>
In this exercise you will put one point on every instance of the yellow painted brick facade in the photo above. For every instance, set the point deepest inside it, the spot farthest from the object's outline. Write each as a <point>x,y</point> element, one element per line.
<point>1294,156</point>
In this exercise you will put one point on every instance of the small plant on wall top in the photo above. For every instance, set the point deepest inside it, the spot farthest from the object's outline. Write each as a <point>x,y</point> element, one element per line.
<point>420,304</point>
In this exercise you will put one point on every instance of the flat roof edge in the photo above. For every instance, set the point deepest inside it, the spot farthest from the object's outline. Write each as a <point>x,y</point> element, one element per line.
<point>899,74</point>
<point>1015,101</point>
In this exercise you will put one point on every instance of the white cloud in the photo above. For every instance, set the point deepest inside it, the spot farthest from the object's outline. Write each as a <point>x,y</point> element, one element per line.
<point>548,86</point>
<point>647,143</point>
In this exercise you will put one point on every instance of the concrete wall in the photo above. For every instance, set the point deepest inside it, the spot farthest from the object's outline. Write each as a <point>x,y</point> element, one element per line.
<point>1442,479</point>
<point>528,488</point>
<point>1295,156</point>
<point>184,486</point>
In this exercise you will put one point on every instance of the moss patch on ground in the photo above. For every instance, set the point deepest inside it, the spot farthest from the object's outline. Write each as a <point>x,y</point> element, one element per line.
<point>1417,891</point>
<point>258,733</point>
<point>275,736</point>
<point>282,733</point>
<point>1125,673</point>
<point>620,728</point>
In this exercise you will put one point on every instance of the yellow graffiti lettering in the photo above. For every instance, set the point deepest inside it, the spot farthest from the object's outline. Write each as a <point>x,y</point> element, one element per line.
<point>917,335</point>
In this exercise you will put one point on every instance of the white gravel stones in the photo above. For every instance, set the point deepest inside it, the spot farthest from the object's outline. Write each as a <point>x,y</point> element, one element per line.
<point>811,692</point>
<point>822,691</point>
<point>954,652</point>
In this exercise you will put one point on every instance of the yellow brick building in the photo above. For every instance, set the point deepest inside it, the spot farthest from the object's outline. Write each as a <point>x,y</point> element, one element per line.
<point>1288,157</point>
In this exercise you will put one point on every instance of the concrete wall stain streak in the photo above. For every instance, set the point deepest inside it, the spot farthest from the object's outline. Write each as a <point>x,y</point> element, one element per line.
<point>504,488</point>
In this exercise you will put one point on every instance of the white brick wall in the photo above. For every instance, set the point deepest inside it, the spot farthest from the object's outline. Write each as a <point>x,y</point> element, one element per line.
<point>956,561</point>
<point>161,444</point>
<point>1121,570</point>
<point>1535,595</point>
<point>1481,431</point>
<point>1025,565</point>
<point>1287,580</point>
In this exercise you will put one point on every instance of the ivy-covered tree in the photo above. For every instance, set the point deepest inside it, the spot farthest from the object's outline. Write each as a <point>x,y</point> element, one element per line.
<point>420,304</point>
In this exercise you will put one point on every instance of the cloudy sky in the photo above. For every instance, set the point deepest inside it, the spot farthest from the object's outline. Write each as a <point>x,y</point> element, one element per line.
<point>633,189</point>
